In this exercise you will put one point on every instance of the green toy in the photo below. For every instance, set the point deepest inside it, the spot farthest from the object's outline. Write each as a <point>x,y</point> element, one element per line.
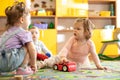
<point>104,57</point>
<point>30,26</point>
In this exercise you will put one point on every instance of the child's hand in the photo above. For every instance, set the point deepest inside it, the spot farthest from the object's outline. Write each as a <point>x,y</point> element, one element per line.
<point>63,59</point>
<point>102,68</point>
<point>34,68</point>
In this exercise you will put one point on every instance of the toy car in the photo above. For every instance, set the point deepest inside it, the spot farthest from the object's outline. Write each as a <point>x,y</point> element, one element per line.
<point>66,66</point>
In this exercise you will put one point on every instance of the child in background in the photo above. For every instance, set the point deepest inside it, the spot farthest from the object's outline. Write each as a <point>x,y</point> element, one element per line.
<point>42,51</point>
<point>16,46</point>
<point>78,48</point>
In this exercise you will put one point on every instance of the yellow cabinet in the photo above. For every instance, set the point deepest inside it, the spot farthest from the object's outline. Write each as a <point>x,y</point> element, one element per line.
<point>100,35</point>
<point>72,8</point>
<point>4,4</point>
<point>48,36</point>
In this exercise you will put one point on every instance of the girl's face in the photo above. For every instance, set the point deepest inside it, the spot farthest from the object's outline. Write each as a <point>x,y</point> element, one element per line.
<point>35,34</point>
<point>79,30</point>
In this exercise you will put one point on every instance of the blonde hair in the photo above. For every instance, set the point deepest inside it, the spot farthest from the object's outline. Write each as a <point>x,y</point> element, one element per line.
<point>87,25</point>
<point>34,27</point>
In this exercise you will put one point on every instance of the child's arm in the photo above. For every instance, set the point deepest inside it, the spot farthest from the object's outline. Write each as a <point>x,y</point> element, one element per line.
<point>32,53</point>
<point>45,49</point>
<point>65,50</point>
<point>95,56</point>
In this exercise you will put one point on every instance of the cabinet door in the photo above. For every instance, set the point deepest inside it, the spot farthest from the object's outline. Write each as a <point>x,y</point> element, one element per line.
<point>72,8</point>
<point>48,36</point>
<point>4,4</point>
<point>100,35</point>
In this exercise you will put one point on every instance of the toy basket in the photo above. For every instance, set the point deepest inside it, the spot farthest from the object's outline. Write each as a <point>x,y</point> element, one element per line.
<point>41,26</point>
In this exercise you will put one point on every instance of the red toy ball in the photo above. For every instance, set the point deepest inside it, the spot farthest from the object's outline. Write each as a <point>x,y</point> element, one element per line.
<point>66,66</point>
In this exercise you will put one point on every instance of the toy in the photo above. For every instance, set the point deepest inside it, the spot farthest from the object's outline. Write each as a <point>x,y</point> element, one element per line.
<point>66,66</point>
<point>41,56</point>
<point>48,54</point>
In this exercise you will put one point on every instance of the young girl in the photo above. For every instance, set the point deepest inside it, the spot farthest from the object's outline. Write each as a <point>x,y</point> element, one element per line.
<point>78,47</point>
<point>42,51</point>
<point>16,47</point>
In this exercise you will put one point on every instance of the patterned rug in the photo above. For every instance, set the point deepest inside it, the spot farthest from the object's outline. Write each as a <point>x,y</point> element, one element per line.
<point>113,73</point>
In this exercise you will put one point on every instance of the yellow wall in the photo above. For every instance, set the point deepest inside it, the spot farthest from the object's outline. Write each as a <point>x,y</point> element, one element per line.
<point>4,4</point>
<point>98,37</point>
<point>48,36</point>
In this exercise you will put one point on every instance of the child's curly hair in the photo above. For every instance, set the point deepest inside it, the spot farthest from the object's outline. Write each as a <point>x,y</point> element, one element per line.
<point>87,25</point>
<point>14,13</point>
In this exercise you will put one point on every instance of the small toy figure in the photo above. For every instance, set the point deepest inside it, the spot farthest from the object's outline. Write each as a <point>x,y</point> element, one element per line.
<point>43,4</point>
<point>66,66</point>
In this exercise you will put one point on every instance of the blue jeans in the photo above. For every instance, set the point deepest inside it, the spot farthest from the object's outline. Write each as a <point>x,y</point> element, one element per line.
<point>11,59</point>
